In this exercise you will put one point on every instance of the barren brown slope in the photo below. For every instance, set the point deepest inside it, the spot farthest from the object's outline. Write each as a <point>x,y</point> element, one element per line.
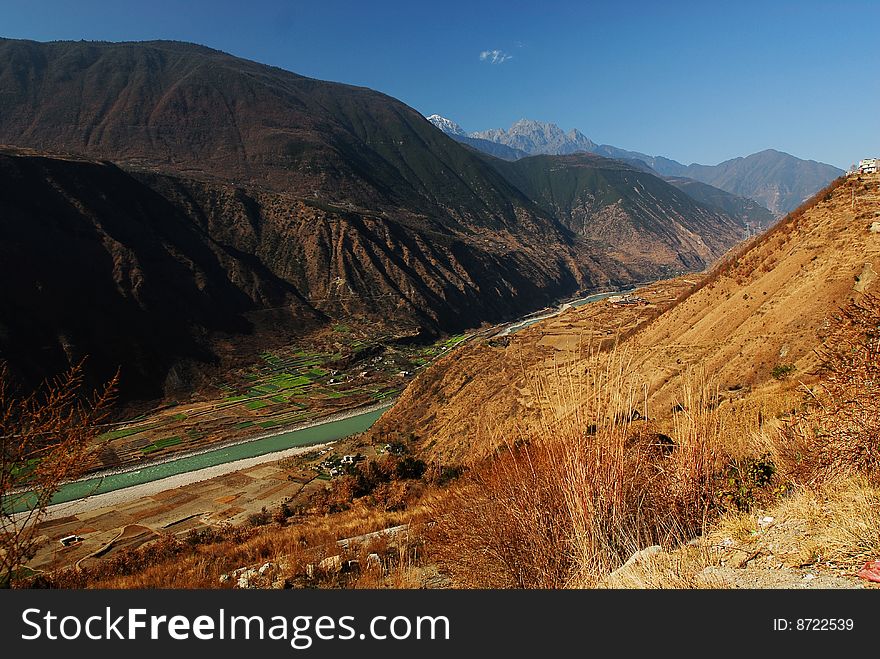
<point>766,305</point>
<point>487,392</point>
<point>770,303</point>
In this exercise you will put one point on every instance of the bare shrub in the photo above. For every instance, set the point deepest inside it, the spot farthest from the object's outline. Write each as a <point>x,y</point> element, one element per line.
<point>838,432</point>
<point>45,439</point>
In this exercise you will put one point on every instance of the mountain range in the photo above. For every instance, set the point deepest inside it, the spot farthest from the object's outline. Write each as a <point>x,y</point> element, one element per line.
<point>213,206</point>
<point>497,149</point>
<point>625,210</point>
<point>777,181</point>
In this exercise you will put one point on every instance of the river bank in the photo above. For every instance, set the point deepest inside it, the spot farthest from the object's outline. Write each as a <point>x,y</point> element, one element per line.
<point>117,497</point>
<point>530,320</point>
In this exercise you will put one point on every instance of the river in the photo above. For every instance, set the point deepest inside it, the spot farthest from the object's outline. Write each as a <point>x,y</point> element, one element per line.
<point>268,447</point>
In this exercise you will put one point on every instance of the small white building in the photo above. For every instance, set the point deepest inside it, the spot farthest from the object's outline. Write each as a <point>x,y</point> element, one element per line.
<point>70,540</point>
<point>869,166</point>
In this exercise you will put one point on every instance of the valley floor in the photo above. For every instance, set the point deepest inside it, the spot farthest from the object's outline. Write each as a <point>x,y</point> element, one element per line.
<point>736,350</point>
<point>125,519</point>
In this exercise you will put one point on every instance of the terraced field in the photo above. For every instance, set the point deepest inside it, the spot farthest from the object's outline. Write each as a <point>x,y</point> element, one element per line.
<point>287,387</point>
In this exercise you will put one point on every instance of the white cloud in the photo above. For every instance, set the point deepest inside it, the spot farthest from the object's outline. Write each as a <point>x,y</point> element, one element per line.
<point>495,56</point>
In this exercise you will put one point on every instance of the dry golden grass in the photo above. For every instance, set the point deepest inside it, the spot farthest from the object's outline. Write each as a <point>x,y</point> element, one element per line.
<point>838,433</point>
<point>567,504</point>
<point>849,522</point>
<point>679,569</point>
<point>736,257</point>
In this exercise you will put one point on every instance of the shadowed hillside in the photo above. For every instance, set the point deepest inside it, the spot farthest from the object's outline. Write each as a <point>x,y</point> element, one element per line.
<point>150,272</point>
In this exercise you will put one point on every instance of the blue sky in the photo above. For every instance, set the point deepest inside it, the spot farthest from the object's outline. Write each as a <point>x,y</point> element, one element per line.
<point>695,81</point>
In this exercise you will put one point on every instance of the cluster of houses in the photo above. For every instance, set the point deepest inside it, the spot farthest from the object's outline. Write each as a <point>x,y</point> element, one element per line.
<point>627,299</point>
<point>867,166</point>
<point>337,466</point>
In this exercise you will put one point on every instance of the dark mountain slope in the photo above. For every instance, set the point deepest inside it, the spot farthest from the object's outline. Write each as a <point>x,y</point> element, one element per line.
<point>636,215</point>
<point>353,262</point>
<point>148,271</point>
<point>97,265</point>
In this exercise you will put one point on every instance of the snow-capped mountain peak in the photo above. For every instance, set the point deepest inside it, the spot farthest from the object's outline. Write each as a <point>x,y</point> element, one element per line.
<point>446,125</point>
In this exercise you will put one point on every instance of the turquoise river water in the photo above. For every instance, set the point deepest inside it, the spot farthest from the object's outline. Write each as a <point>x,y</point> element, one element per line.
<point>318,434</point>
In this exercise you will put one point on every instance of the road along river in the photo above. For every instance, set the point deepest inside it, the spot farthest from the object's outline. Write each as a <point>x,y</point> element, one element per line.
<point>531,320</point>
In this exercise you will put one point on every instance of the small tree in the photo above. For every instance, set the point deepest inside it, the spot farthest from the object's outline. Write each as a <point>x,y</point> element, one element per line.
<point>45,440</point>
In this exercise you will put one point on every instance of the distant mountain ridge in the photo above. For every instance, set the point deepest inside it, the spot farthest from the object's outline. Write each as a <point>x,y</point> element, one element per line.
<point>537,138</point>
<point>629,212</point>
<point>752,214</point>
<point>456,132</point>
<point>776,180</point>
